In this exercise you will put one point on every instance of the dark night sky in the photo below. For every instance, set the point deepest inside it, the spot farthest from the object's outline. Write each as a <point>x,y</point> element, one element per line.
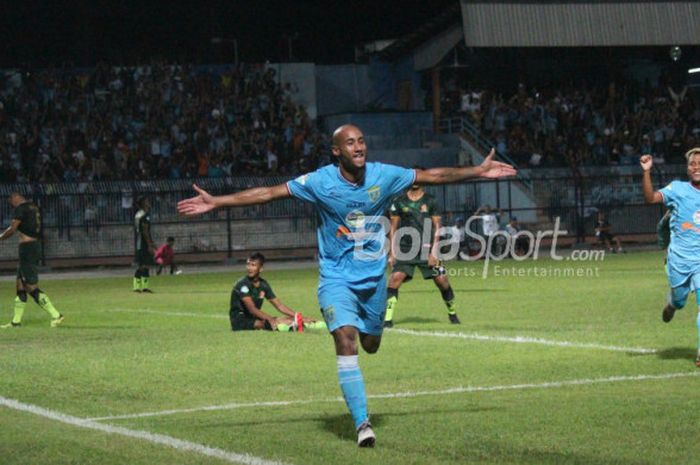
<point>86,31</point>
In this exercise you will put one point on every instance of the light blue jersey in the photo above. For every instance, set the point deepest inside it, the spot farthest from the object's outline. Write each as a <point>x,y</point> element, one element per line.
<point>683,200</point>
<point>349,219</point>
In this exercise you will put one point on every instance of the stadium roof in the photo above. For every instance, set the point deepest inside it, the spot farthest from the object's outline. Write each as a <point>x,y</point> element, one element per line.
<point>579,24</point>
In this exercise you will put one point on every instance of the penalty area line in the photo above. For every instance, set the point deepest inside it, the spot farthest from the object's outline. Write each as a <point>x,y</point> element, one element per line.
<point>161,439</point>
<point>523,340</point>
<point>403,395</point>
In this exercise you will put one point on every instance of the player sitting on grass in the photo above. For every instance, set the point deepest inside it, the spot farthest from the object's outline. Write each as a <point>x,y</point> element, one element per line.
<point>683,257</point>
<point>247,298</point>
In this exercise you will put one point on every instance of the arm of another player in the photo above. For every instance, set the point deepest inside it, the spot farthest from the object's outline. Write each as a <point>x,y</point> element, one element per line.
<point>282,308</point>
<point>433,257</point>
<point>10,229</point>
<point>650,195</point>
<point>489,168</point>
<point>395,219</point>
<point>257,313</point>
<point>205,202</point>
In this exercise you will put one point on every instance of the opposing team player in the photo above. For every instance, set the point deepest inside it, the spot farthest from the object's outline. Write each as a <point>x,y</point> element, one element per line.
<point>145,248</point>
<point>27,222</point>
<point>247,297</point>
<point>415,210</point>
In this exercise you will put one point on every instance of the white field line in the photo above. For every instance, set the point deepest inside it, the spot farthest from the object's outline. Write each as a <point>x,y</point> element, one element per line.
<point>524,340</point>
<point>445,334</point>
<point>398,395</point>
<point>161,439</point>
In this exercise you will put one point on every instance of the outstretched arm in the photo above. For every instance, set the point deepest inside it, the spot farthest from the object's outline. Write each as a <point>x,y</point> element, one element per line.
<point>395,220</point>
<point>650,195</point>
<point>205,202</point>
<point>489,168</point>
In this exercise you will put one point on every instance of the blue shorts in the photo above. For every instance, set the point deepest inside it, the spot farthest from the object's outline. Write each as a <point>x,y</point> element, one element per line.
<point>343,305</point>
<point>679,294</point>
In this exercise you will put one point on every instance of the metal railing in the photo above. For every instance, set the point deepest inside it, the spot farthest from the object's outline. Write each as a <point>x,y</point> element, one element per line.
<point>95,220</point>
<point>462,126</point>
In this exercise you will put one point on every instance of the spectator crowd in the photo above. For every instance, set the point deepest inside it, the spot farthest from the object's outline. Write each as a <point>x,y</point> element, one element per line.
<point>157,121</point>
<point>582,125</point>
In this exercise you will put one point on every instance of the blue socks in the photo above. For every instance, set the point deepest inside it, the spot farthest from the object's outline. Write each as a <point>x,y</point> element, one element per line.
<point>353,386</point>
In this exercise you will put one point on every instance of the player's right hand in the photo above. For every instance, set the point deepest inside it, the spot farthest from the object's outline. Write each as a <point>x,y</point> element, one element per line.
<point>646,162</point>
<point>203,203</point>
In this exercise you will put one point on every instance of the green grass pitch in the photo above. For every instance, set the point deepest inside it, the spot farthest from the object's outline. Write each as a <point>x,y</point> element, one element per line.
<point>482,397</point>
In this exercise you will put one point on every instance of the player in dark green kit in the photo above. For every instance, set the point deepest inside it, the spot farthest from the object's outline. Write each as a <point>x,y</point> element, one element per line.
<point>416,210</point>
<point>247,298</point>
<point>145,248</point>
<point>27,222</point>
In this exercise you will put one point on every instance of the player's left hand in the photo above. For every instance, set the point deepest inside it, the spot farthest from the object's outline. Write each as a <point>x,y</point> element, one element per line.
<point>203,203</point>
<point>491,168</point>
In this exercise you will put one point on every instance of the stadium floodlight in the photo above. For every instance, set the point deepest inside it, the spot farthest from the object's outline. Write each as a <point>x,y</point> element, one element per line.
<point>693,70</point>
<point>675,53</point>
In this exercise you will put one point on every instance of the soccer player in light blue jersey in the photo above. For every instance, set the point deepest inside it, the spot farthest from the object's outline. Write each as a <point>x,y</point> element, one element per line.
<point>350,199</point>
<point>683,258</point>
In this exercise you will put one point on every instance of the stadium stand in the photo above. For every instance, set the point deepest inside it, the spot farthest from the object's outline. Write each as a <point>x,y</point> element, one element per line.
<point>155,121</point>
<point>580,125</point>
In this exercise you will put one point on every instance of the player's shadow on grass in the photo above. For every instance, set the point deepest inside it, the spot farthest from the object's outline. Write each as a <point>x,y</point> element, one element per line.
<point>341,425</point>
<point>677,353</point>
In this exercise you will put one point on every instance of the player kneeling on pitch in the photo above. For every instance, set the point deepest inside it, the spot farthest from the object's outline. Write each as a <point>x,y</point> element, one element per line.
<point>247,298</point>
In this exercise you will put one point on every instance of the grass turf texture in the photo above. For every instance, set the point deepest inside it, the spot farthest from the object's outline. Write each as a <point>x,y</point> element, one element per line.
<point>121,353</point>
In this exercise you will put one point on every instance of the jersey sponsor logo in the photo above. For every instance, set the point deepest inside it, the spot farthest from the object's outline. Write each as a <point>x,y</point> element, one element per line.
<point>262,294</point>
<point>342,231</point>
<point>688,226</point>
<point>245,290</point>
<point>424,208</point>
<point>696,217</point>
<point>302,179</point>
<point>355,205</point>
<point>374,192</point>
<point>405,209</point>
<point>356,219</point>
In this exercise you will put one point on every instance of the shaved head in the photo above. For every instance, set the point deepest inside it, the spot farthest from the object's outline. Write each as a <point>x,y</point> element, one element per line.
<point>341,131</point>
<point>351,152</point>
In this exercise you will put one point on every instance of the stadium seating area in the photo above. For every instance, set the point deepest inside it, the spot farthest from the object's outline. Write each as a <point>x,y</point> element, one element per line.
<point>579,125</point>
<point>157,121</point>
